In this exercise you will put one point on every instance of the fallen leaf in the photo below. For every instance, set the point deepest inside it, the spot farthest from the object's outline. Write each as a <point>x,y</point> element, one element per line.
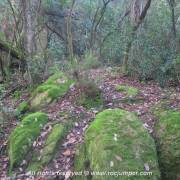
<point>67,175</point>
<point>67,152</point>
<point>71,140</point>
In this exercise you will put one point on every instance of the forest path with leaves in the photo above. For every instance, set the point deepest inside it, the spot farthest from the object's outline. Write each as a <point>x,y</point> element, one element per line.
<point>148,95</point>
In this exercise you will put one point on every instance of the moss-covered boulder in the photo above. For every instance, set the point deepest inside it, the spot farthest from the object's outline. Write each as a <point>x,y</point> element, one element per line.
<point>127,90</point>
<point>117,142</point>
<point>56,86</point>
<point>44,156</point>
<point>22,137</point>
<point>167,132</point>
<point>22,108</point>
<point>48,151</point>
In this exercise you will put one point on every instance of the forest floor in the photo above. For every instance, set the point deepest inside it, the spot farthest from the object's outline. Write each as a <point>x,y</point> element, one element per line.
<point>150,94</point>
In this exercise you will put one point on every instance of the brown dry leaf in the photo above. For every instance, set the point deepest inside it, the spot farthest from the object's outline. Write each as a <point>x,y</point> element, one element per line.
<point>68,174</point>
<point>67,152</point>
<point>71,140</point>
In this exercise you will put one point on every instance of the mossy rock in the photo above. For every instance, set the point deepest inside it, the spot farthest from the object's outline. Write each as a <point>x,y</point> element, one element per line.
<point>54,139</point>
<point>167,132</point>
<point>160,108</point>
<point>127,90</point>
<point>22,108</point>
<point>56,86</point>
<point>49,149</point>
<point>115,142</point>
<point>22,137</point>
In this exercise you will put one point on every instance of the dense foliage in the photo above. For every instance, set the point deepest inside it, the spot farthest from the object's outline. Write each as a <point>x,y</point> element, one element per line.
<point>75,29</point>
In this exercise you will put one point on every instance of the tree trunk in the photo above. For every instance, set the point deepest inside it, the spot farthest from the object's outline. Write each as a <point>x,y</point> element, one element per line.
<point>138,13</point>
<point>69,33</point>
<point>30,10</point>
<point>29,25</point>
<point>172,6</point>
<point>97,20</point>
<point>11,50</point>
<point>2,70</point>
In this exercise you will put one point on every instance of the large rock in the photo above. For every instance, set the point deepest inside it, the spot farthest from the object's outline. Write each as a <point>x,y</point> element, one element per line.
<point>23,136</point>
<point>56,86</point>
<point>117,142</point>
<point>167,132</point>
<point>43,156</point>
<point>49,149</point>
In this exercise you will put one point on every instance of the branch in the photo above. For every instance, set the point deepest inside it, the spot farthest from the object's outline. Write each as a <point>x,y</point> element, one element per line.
<point>11,50</point>
<point>54,31</point>
<point>145,9</point>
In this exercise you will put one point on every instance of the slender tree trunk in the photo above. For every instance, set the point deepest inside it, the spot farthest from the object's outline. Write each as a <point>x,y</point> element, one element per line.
<point>128,48</point>
<point>29,8</point>
<point>69,33</point>
<point>138,13</point>
<point>2,68</point>
<point>98,18</point>
<point>29,23</point>
<point>173,21</point>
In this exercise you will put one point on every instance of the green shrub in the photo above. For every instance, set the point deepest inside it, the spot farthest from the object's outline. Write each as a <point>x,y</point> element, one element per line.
<point>89,102</point>
<point>53,69</point>
<point>90,61</point>
<point>36,67</point>
<point>91,95</point>
<point>17,94</point>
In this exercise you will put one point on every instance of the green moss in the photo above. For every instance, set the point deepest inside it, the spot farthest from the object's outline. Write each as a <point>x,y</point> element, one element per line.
<point>53,79</point>
<point>53,140</point>
<point>167,130</point>
<point>117,141</point>
<point>54,91</point>
<point>48,151</point>
<point>22,137</point>
<point>128,90</point>
<point>160,108</point>
<point>56,86</point>
<point>22,108</point>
